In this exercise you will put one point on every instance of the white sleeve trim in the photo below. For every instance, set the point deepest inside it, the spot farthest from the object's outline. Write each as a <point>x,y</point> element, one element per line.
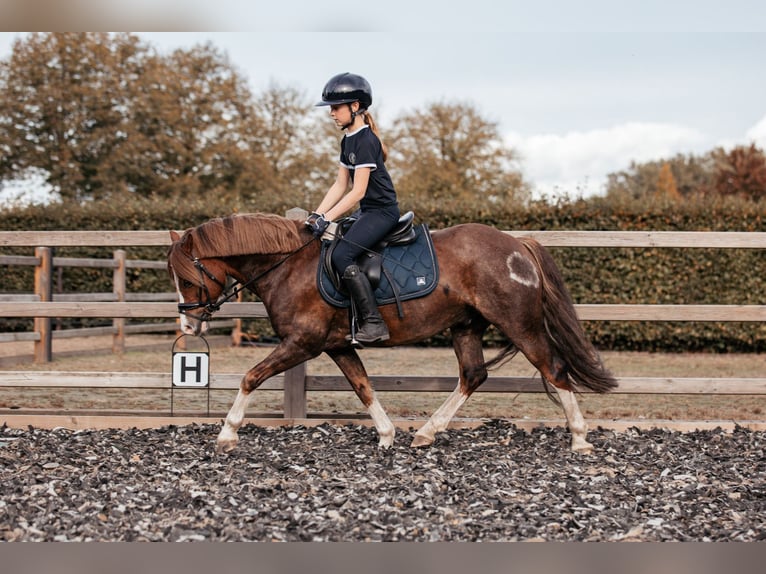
<point>372,166</point>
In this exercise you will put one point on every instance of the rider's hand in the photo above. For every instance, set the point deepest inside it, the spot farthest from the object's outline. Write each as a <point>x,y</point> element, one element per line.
<point>317,223</point>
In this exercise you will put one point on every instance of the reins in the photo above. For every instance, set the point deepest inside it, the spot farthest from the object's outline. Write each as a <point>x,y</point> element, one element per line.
<point>211,307</point>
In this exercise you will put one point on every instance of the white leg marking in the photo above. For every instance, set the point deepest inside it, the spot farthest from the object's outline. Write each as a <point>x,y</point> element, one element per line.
<point>575,420</point>
<point>227,438</point>
<point>441,418</point>
<point>386,429</point>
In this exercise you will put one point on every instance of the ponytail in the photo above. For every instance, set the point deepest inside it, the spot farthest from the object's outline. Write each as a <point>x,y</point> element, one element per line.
<point>368,119</point>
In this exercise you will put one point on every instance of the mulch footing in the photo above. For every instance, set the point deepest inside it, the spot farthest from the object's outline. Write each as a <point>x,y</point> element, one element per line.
<point>330,482</point>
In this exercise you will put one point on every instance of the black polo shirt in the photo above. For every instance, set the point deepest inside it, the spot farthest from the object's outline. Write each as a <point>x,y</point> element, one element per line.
<point>362,148</point>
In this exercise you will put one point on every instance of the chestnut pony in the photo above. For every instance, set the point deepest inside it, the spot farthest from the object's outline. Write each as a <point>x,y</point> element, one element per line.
<point>486,277</point>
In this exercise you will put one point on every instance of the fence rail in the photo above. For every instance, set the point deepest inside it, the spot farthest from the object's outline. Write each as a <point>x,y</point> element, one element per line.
<point>295,383</point>
<point>230,381</point>
<point>46,304</point>
<point>686,239</point>
<point>587,312</point>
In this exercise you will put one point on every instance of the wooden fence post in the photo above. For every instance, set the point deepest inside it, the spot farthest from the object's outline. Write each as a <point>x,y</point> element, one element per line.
<point>295,378</point>
<point>297,213</point>
<point>44,289</point>
<point>295,392</point>
<point>119,281</point>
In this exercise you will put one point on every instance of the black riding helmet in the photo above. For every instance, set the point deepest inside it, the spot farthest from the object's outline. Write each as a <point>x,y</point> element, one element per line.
<point>347,88</point>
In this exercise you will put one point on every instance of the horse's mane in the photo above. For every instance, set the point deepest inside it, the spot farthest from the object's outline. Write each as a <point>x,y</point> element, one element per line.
<point>245,234</point>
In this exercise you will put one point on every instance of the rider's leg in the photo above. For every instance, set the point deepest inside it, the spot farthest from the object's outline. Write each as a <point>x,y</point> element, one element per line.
<point>366,232</point>
<point>372,328</point>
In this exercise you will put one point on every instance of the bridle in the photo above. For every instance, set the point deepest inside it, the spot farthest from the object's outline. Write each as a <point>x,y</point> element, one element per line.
<point>228,292</point>
<point>207,304</point>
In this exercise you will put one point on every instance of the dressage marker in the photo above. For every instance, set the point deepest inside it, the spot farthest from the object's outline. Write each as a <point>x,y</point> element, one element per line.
<point>190,370</point>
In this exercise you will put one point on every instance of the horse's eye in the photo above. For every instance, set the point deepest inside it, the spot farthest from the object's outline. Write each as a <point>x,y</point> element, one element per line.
<point>186,284</point>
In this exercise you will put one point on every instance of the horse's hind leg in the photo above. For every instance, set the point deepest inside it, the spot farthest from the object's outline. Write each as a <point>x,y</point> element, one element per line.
<point>351,365</point>
<point>467,345</point>
<point>539,353</point>
<point>575,421</point>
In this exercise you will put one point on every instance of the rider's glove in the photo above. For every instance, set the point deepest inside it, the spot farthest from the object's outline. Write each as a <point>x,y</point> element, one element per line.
<point>317,223</point>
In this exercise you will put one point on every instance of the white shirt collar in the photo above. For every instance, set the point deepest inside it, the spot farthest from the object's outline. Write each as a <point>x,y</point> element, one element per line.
<point>348,134</point>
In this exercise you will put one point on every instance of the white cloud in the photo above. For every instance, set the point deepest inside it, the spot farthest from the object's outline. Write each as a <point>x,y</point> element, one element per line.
<point>757,133</point>
<point>577,163</point>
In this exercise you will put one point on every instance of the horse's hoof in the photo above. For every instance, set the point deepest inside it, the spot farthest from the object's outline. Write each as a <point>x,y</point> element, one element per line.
<point>225,446</point>
<point>386,442</point>
<point>420,441</point>
<point>583,447</point>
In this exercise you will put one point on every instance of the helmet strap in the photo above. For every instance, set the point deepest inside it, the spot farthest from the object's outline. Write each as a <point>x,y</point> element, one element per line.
<point>353,116</point>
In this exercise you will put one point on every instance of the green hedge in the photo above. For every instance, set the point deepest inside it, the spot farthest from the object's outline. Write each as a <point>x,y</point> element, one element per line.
<point>594,275</point>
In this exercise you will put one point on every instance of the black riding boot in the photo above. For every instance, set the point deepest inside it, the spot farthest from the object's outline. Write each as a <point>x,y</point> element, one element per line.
<point>372,328</point>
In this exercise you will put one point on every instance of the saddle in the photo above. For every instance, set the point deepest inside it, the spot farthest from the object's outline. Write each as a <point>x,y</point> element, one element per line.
<point>402,266</point>
<point>370,262</point>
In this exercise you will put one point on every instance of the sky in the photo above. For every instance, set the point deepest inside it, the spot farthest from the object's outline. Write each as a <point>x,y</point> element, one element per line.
<point>578,90</point>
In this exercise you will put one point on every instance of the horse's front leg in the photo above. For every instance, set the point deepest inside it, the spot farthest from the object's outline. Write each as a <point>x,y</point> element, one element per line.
<point>351,366</point>
<point>283,357</point>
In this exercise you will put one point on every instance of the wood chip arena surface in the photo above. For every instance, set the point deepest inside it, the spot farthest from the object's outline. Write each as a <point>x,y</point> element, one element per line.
<point>332,483</point>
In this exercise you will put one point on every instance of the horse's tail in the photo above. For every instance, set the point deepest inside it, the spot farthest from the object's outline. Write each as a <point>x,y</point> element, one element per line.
<point>585,368</point>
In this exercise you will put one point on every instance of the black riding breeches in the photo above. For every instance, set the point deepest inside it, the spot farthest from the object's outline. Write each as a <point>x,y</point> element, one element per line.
<point>369,229</point>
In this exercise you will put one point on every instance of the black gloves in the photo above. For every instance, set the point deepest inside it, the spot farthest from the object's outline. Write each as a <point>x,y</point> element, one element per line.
<point>317,223</point>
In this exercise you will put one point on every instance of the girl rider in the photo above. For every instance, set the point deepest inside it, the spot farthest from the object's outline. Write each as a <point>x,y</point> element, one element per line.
<point>362,169</point>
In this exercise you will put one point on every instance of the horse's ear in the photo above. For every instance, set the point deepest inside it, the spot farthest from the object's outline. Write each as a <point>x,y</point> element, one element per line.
<point>174,236</point>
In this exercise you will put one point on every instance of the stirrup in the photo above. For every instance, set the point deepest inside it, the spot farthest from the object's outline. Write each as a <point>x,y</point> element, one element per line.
<point>355,341</point>
<point>357,344</point>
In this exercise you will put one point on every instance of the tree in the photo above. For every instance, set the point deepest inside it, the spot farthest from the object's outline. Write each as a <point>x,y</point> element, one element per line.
<point>103,114</point>
<point>189,115</point>
<point>691,175</point>
<point>63,107</point>
<point>666,184</point>
<point>291,147</point>
<point>741,171</point>
<point>449,152</point>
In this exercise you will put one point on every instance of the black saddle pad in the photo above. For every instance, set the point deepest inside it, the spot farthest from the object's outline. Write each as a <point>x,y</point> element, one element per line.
<point>412,268</point>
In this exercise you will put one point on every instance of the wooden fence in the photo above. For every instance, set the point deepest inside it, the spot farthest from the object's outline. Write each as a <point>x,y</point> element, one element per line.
<point>44,263</point>
<point>296,383</point>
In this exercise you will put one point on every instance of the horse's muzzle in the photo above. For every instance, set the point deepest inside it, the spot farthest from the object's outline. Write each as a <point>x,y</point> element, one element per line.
<point>193,325</point>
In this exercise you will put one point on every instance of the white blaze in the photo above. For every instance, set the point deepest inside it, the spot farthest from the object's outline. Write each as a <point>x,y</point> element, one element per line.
<point>188,324</point>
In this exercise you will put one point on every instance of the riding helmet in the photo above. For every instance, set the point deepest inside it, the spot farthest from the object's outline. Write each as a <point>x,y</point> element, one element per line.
<point>346,88</point>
